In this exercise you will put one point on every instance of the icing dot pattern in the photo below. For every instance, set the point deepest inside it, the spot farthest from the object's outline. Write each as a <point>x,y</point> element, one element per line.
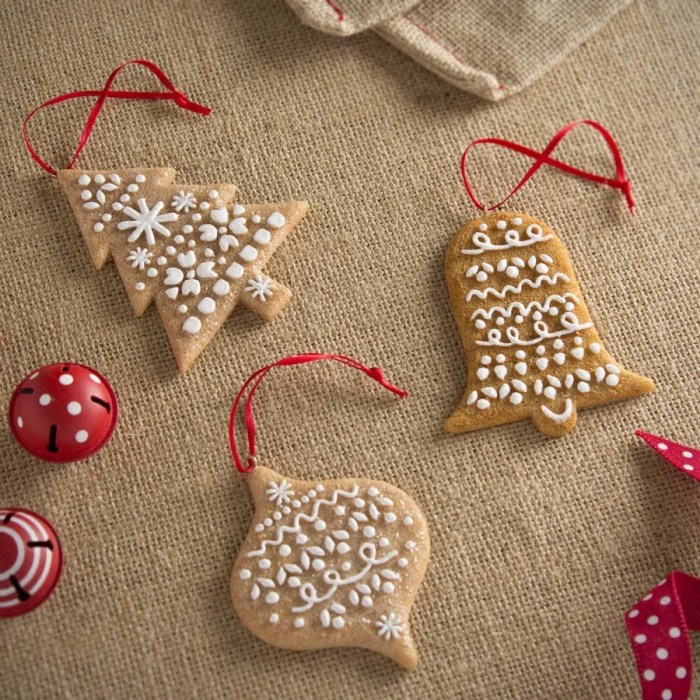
<point>153,224</point>
<point>334,561</point>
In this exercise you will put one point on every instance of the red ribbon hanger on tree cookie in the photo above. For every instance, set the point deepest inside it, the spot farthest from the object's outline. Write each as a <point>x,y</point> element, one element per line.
<point>531,346</point>
<point>193,249</point>
<point>327,563</point>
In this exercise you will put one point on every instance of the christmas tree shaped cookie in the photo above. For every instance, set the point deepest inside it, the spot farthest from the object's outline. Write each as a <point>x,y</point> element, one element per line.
<point>190,248</point>
<point>330,564</point>
<point>532,349</point>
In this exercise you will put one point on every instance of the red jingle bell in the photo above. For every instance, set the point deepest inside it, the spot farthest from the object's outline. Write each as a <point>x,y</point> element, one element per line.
<point>31,561</point>
<point>63,412</point>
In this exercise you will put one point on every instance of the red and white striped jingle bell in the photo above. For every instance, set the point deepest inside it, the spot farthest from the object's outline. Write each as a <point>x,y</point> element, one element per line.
<point>63,412</point>
<point>31,561</point>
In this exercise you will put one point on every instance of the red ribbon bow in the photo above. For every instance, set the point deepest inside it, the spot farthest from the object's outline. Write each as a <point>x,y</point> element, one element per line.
<point>180,99</point>
<point>619,182</point>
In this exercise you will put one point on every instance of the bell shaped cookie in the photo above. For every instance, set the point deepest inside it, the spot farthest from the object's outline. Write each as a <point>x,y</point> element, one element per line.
<point>531,347</point>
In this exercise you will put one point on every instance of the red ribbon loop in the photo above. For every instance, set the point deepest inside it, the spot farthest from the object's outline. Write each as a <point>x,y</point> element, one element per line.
<point>253,382</point>
<point>180,99</point>
<point>619,182</point>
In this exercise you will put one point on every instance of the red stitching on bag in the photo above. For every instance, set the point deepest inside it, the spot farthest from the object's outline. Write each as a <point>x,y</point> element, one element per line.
<point>439,42</point>
<point>336,9</point>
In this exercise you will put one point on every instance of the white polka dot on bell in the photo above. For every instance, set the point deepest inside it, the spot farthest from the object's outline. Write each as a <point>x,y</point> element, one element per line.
<point>81,436</point>
<point>74,408</point>
<point>95,378</point>
<point>681,672</point>
<point>649,675</point>
<point>65,379</point>
<point>652,620</point>
<point>44,399</point>
<point>20,422</point>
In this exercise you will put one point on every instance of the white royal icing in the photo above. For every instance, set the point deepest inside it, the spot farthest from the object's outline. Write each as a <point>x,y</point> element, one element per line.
<point>508,289</point>
<point>568,320</point>
<point>483,243</point>
<point>330,573</point>
<point>562,417</point>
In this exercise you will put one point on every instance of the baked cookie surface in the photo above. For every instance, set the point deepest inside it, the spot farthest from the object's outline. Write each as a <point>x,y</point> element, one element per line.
<point>190,248</point>
<point>531,346</point>
<point>331,564</point>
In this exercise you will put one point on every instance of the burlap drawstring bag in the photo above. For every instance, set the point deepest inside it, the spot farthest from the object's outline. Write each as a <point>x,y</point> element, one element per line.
<point>491,48</point>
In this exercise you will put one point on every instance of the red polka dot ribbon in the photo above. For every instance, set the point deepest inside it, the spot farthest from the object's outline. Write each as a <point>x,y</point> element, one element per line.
<point>658,625</point>
<point>658,628</point>
<point>685,458</point>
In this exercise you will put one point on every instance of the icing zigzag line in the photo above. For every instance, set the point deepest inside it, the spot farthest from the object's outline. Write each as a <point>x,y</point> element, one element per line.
<point>303,516</point>
<point>510,288</point>
<point>523,309</point>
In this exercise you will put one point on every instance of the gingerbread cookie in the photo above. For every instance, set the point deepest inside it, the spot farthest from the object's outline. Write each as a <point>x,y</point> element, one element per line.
<point>532,349</point>
<point>190,248</point>
<point>330,564</point>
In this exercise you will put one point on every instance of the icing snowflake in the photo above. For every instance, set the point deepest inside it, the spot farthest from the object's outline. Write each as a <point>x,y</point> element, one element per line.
<point>183,201</point>
<point>389,626</point>
<point>261,287</point>
<point>146,221</point>
<point>140,257</point>
<point>280,493</point>
<point>103,186</point>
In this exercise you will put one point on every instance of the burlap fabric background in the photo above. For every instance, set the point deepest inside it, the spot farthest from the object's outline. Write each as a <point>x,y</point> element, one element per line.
<point>488,47</point>
<point>539,545</point>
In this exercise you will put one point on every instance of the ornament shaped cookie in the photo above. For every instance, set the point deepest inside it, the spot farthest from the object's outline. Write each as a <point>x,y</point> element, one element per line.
<point>327,563</point>
<point>330,564</point>
<point>191,248</point>
<point>531,346</point>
